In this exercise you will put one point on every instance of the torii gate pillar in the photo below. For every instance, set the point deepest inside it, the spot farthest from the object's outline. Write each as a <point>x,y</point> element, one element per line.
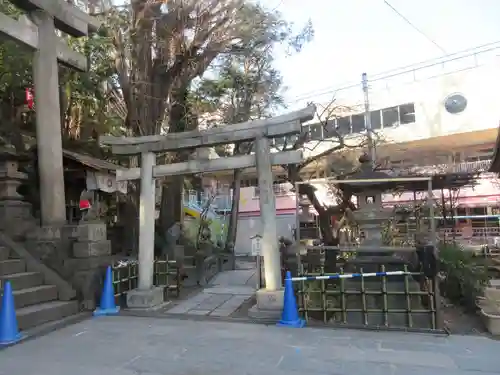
<point>48,122</point>
<point>49,16</point>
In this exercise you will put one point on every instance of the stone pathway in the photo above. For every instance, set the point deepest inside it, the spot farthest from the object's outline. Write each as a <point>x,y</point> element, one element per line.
<point>124,345</point>
<point>224,295</point>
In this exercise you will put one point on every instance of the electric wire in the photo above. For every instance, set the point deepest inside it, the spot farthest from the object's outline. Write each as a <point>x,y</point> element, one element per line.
<point>414,27</point>
<point>475,51</point>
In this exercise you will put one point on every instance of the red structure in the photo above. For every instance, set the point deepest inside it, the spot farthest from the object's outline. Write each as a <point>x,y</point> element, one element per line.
<point>30,98</point>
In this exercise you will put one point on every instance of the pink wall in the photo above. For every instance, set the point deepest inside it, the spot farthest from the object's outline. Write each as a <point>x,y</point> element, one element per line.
<point>250,204</point>
<point>486,192</point>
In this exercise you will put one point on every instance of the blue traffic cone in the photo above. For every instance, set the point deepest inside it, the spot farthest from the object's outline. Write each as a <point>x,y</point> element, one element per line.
<point>107,305</point>
<point>290,316</point>
<point>9,332</point>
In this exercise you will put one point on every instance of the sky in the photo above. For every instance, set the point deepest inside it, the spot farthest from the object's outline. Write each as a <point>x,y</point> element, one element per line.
<point>356,36</point>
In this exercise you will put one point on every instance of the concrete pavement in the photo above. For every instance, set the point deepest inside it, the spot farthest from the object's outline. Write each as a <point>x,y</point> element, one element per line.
<point>149,346</point>
<point>224,294</point>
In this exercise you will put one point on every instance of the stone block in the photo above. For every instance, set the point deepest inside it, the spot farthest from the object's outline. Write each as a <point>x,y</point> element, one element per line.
<point>89,284</point>
<point>264,315</point>
<point>91,249</point>
<point>269,305</point>
<point>270,299</point>
<point>46,233</point>
<point>81,264</point>
<point>13,210</point>
<point>43,249</point>
<point>145,299</point>
<point>93,232</point>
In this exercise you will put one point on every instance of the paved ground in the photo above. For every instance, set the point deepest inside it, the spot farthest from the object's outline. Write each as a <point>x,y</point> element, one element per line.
<point>148,346</point>
<point>224,295</point>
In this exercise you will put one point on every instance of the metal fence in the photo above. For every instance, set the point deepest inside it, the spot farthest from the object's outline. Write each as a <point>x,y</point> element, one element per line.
<point>166,274</point>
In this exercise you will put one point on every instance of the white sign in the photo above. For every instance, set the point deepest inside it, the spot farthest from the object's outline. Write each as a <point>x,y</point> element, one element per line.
<point>256,245</point>
<point>105,182</point>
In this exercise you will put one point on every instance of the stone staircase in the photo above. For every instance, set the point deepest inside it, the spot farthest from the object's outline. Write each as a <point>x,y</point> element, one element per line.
<point>35,300</point>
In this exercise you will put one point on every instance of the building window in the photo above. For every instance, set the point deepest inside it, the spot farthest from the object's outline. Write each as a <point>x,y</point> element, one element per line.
<point>306,131</point>
<point>344,125</point>
<point>278,189</point>
<point>376,120</point>
<point>358,123</point>
<point>457,157</point>
<point>280,141</point>
<point>390,117</point>
<point>291,139</point>
<point>316,132</point>
<point>330,129</point>
<point>407,113</point>
<point>488,151</point>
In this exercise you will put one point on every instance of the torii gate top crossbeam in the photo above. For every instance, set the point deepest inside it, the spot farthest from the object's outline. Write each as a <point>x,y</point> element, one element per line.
<point>20,31</point>
<point>67,18</point>
<point>289,123</point>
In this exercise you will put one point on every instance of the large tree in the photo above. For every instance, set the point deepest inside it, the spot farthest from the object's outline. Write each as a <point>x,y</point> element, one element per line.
<point>339,157</point>
<point>161,47</point>
<point>247,86</point>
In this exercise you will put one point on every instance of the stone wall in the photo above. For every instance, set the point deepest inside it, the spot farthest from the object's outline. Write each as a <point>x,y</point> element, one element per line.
<point>91,254</point>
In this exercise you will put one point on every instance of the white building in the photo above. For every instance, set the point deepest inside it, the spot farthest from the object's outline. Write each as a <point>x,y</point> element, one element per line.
<point>441,113</point>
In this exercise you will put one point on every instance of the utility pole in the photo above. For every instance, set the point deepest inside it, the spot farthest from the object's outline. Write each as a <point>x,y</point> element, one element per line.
<point>368,121</point>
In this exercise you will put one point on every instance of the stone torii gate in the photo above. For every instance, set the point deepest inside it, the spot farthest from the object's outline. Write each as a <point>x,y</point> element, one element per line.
<point>260,131</point>
<point>47,16</point>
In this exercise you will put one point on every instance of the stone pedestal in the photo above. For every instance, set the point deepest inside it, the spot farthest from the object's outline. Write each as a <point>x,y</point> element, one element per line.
<point>145,299</point>
<point>91,240</point>
<point>47,244</point>
<point>91,254</point>
<point>269,305</point>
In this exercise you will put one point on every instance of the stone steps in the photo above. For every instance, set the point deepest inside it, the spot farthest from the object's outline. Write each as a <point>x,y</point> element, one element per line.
<point>36,302</point>
<point>22,280</point>
<point>34,315</point>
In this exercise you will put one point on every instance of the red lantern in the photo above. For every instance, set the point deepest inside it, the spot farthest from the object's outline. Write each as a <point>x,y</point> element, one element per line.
<point>30,100</point>
<point>84,204</point>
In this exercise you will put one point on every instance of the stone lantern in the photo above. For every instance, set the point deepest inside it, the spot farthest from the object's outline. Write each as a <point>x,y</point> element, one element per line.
<point>370,215</point>
<point>15,212</point>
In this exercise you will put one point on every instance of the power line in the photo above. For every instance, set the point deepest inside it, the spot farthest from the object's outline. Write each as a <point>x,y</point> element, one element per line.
<point>405,70</point>
<point>412,25</point>
<point>280,3</point>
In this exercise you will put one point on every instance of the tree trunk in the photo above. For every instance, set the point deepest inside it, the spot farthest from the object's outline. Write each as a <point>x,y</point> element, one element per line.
<point>171,199</point>
<point>171,202</point>
<point>232,229</point>
<point>324,218</point>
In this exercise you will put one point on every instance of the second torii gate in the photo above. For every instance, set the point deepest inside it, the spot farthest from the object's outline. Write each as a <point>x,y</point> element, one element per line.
<point>259,131</point>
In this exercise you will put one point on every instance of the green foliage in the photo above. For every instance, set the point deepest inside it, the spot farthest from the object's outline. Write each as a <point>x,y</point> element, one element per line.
<point>89,95</point>
<point>86,107</point>
<point>15,65</point>
<point>244,83</point>
<point>465,275</point>
<point>218,229</point>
